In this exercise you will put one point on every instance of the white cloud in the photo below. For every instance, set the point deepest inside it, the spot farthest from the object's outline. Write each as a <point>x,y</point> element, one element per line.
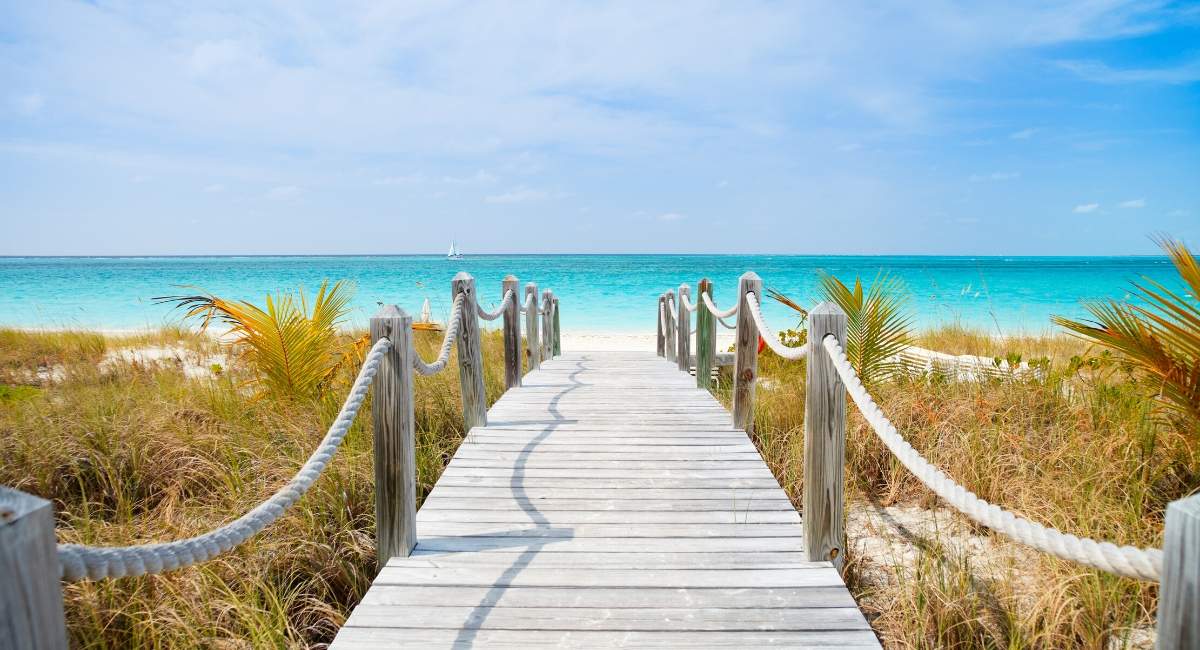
<point>211,56</point>
<point>1179,213</point>
<point>1133,203</point>
<point>481,177</point>
<point>722,183</point>
<point>29,103</point>
<point>849,146</point>
<point>995,177</point>
<point>215,188</point>
<point>140,178</point>
<point>1085,208</point>
<point>1100,72</point>
<point>283,193</point>
<point>404,179</point>
<point>671,216</point>
<point>522,194</point>
<point>1023,134</point>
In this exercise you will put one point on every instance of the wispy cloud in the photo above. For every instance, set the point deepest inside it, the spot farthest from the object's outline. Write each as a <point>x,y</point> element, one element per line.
<point>284,192</point>
<point>1023,134</point>
<point>29,103</point>
<point>1179,213</point>
<point>215,188</point>
<point>1085,208</point>
<point>1133,203</point>
<point>671,216</point>
<point>522,194</point>
<point>995,177</point>
<point>1100,72</point>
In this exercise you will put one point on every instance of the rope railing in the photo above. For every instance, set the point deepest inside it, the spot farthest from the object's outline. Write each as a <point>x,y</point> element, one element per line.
<point>493,315</point>
<point>769,335</point>
<point>687,303</point>
<point>1128,561</point>
<point>708,302</point>
<point>79,561</point>
<point>452,325</point>
<point>828,366</point>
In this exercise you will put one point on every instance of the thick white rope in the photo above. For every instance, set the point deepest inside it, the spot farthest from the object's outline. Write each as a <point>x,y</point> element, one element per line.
<point>687,302</point>
<point>769,336</point>
<point>528,303</point>
<point>1128,561</point>
<point>662,316</point>
<point>717,312</point>
<point>78,561</point>
<point>493,315</point>
<point>443,356</point>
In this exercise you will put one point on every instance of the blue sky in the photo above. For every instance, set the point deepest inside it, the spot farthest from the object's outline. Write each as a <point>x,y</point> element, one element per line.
<point>932,127</point>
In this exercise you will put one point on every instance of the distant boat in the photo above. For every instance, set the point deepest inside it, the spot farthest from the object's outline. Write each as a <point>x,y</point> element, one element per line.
<point>426,313</point>
<point>454,253</point>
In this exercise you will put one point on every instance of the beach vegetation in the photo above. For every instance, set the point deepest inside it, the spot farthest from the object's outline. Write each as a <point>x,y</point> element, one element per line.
<point>294,345</point>
<point>1158,333</point>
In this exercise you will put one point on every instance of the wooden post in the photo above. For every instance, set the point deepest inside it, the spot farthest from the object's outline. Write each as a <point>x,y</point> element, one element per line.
<point>745,363</point>
<point>660,321</point>
<point>557,347</point>
<point>1179,590</point>
<point>395,448</point>
<point>512,333</point>
<point>824,440</point>
<point>684,344</point>
<point>670,317</point>
<point>706,337</point>
<point>532,348</point>
<point>470,354</point>
<point>31,601</point>
<point>547,325</point>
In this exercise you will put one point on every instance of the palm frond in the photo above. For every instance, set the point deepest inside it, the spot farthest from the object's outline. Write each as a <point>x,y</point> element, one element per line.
<point>1159,333</point>
<point>878,326</point>
<point>291,344</point>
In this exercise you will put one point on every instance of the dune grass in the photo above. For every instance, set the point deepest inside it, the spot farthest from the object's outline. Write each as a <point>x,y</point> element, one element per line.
<point>138,453</point>
<point>1077,450</point>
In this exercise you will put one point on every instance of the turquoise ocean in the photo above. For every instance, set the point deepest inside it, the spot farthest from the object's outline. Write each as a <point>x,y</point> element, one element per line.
<point>598,293</point>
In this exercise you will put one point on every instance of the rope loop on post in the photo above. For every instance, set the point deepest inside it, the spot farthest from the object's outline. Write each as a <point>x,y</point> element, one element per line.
<point>769,335</point>
<point>443,357</point>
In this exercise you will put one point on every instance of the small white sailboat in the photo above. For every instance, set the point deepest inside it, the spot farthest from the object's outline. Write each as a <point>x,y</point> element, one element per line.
<point>454,253</point>
<point>426,312</point>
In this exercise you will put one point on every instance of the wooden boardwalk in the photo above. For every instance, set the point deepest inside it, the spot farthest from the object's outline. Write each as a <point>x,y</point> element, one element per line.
<point>609,502</point>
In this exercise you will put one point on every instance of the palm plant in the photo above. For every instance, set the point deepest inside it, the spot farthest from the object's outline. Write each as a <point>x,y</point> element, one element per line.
<point>295,350</point>
<point>878,328</point>
<point>1159,334</point>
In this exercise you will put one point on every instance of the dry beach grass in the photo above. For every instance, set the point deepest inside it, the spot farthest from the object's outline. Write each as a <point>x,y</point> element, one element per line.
<point>131,451</point>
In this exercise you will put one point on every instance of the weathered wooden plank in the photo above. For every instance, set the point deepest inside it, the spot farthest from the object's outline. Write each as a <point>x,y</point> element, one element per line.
<point>512,332</point>
<point>745,365</point>
<point>502,575</point>
<point>609,618</point>
<point>607,517</point>
<point>754,598</point>
<point>824,438</point>
<point>496,502</point>
<point>470,354</point>
<point>31,602</point>
<point>389,638</point>
<point>1179,599</point>
<point>395,446</point>
<point>533,347</point>
<point>579,531</point>
<point>632,545</point>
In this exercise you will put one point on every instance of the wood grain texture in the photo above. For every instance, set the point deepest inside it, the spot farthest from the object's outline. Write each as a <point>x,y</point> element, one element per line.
<point>608,502</point>
<point>661,333</point>
<point>547,325</point>
<point>470,354</point>
<point>1179,595</point>
<point>556,349</point>
<point>31,605</point>
<point>745,362</point>
<point>533,347</point>
<point>824,439</point>
<point>683,349</point>
<point>512,332</point>
<point>395,448</point>
<point>706,337</point>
